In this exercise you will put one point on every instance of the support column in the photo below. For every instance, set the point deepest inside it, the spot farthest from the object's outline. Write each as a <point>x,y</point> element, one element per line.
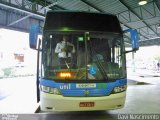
<point>133,62</point>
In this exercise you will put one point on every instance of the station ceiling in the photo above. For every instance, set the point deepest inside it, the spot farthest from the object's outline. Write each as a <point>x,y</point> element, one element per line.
<point>146,18</point>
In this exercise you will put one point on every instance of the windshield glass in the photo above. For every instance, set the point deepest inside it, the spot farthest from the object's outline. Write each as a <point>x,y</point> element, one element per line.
<point>87,56</point>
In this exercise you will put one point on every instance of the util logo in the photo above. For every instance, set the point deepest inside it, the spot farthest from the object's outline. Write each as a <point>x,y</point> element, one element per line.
<point>65,86</point>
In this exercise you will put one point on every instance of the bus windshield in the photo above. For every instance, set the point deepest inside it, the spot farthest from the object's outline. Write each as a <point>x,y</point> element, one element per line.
<point>83,56</point>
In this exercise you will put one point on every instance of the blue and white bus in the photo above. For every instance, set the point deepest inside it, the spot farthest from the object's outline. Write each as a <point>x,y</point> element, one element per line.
<point>95,78</point>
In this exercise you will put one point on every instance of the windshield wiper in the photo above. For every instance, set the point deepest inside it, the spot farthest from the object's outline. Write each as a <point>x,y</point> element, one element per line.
<point>67,65</point>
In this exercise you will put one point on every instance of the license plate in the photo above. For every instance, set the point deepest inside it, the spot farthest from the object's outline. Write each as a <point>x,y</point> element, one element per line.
<point>86,104</point>
<point>86,85</point>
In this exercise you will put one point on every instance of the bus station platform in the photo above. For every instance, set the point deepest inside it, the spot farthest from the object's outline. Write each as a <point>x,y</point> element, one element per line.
<point>142,98</point>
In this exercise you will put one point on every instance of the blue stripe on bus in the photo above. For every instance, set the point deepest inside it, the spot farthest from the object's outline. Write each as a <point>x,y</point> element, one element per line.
<point>70,89</point>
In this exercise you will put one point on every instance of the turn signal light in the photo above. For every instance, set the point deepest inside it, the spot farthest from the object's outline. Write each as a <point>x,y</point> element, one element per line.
<point>65,75</point>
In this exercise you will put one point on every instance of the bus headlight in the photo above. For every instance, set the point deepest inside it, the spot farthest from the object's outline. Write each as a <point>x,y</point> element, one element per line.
<point>50,90</point>
<point>45,89</point>
<point>119,89</point>
<point>54,91</point>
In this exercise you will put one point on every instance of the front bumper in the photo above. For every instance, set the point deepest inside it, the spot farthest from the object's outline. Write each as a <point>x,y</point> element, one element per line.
<point>51,102</point>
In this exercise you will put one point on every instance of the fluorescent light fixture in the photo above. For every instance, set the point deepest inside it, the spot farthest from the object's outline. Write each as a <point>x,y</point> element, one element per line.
<point>142,2</point>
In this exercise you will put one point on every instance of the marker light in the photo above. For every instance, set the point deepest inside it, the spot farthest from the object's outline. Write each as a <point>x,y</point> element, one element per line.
<point>65,29</point>
<point>65,75</point>
<point>80,39</point>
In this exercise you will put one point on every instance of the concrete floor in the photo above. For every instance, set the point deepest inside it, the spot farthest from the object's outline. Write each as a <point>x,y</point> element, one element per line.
<point>141,99</point>
<point>18,95</point>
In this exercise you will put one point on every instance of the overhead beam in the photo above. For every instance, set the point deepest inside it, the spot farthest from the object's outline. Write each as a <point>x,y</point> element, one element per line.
<point>23,18</point>
<point>153,15</point>
<point>29,15</point>
<point>93,6</point>
<point>150,42</point>
<point>102,11</point>
<point>98,9</point>
<point>57,6</point>
<point>18,27</point>
<point>10,6</point>
<point>45,3</point>
<point>129,8</point>
<point>157,2</point>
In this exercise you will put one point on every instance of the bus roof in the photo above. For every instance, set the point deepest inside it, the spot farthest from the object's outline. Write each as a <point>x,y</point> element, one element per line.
<point>81,21</point>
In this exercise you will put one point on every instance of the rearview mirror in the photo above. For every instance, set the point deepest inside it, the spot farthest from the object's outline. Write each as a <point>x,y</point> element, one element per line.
<point>33,35</point>
<point>134,39</point>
